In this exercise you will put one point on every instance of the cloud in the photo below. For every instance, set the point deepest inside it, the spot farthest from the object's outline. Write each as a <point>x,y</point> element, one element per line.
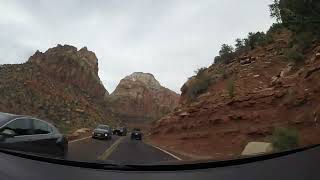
<point>168,38</point>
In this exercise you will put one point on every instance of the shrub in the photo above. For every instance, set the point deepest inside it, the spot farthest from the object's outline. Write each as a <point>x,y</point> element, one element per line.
<point>200,71</point>
<point>303,40</point>
<point>198,85</point>
<point>284,139</point>
<point>231,88</point>
<point>217,59</point>
<point>223,72</point>
<point>226,54</point>
<point>295,56</point>
<point>274,28</point>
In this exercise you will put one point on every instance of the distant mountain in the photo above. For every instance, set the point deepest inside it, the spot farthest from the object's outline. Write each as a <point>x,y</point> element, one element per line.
<point>61,85</point>
<point>140,96</point>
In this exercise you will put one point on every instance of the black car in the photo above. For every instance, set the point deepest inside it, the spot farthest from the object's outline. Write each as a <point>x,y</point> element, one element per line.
<point>136,134</point>
<point>29,134</point>
<point>121,131</point>
<point>102,132</point>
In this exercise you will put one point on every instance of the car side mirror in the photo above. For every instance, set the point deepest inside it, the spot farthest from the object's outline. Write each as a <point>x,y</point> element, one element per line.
<point>7,133</point>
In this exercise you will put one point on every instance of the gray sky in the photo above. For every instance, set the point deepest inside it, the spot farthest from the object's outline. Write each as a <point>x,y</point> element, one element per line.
<point>168,38</point>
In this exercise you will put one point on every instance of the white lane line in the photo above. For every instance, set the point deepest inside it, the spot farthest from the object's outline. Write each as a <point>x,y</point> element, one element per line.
<point>80,139</point>
<point>176,157</point>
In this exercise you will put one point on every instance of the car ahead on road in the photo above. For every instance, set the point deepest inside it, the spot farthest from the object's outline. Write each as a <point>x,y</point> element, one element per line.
<point>121,131</point>
<point>102,132</point>
<point>136,134</point>
<point>32,135</point>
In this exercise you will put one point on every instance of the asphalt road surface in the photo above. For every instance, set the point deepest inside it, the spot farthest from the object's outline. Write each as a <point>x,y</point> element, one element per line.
<point>120,150</point>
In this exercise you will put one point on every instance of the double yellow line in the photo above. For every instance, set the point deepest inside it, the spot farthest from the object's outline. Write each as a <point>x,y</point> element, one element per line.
<point>109,151</point>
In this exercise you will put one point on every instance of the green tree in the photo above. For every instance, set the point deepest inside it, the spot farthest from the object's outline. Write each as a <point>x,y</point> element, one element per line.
<point>275,10</point>
<point>226,50</point>
<point>200,71</point>
<point>255,39</point>
<point>297,12</point>
<point>239,45</point>
<point>226,54</point>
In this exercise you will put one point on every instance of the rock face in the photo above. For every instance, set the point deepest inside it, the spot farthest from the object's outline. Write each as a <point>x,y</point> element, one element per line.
<point>268,93</point>
<point>67,64</point>
<point>140,96</point>
<point>60,85</point>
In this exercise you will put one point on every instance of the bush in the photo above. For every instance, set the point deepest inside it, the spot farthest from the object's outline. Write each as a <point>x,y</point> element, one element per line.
<point>303,40</point>
<point>198,85</point>
<point>284,139</point>
<point>200,71</point>
<point>223,72</point>
<point>274,28</point>
<point>226,54</point>
<point>295,56</point>
<point>231,88</point>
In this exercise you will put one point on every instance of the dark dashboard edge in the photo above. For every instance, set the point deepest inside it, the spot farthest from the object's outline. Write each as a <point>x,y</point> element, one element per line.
<point>160,167</point>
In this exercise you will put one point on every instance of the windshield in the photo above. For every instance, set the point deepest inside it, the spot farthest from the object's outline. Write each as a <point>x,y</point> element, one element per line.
<point>149,82</point>
<point>103,127</point>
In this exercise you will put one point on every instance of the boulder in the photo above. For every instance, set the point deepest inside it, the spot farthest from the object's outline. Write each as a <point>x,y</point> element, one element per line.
<point>286,70</point>
<point>245,61</point>
<point>82,130</point>
<point>184,114</point>
<point>257,148</point>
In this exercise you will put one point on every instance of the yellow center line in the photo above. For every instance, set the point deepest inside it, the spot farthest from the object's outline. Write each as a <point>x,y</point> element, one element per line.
<point>109,151</point>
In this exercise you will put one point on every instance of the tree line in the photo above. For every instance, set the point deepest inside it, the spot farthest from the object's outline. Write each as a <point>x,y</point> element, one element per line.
<point>302,17</point>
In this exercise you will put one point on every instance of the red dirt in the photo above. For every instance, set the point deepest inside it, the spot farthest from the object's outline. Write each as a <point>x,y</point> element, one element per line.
<point>217,126</point>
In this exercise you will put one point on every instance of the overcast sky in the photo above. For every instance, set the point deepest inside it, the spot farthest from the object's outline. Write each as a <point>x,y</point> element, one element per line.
<point>168,38</point>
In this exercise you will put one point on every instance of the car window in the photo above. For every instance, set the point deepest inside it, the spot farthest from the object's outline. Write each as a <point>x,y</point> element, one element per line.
<point>20,127</point>
<point>103,127</point>
<point>41,127</point>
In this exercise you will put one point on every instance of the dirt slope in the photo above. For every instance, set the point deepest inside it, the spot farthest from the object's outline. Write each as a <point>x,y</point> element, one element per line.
<point>268,92</point>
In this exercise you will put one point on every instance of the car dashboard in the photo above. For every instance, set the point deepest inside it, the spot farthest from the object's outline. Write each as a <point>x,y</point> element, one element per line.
<point>291,165</point>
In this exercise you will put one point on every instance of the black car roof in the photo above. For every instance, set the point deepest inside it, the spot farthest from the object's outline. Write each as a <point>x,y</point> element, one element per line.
<point>6,117</point>
<point>103,125</point>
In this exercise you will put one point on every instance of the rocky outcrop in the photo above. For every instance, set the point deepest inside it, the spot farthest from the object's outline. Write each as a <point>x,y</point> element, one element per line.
<point>60,85</point>
<point>140,96</point>
<point>268,93</point>
<point>67,64</point>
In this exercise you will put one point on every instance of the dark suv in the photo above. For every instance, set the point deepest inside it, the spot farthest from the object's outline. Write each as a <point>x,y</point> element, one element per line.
<point>121,131</point>
<point>29,134</point>
<point>136,134</point>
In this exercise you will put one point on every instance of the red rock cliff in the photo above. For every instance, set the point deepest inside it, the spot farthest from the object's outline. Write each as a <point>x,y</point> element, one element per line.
<point>140,96</point>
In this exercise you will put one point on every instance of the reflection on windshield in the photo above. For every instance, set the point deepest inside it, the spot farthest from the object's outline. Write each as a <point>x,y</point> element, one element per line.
<point>166,89</point>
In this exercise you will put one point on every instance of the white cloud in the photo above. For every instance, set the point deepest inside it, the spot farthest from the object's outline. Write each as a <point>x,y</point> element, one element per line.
<point>169,38</point>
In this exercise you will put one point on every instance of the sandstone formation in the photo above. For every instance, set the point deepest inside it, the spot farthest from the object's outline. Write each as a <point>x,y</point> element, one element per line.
<point>60,85</point>
<point>268,93</point>
<point>67,64</point>
<point>140,96</point>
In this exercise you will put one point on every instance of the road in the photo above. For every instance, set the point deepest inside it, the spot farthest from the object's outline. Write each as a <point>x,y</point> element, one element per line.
<point>120,150</point>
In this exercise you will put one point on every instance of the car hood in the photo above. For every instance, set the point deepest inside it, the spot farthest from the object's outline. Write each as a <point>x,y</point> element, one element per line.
<point>100,130</point>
